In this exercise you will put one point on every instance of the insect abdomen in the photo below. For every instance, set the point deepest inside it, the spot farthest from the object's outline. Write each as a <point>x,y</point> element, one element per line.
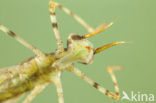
<point>11,89</point>
<point>24,77</point>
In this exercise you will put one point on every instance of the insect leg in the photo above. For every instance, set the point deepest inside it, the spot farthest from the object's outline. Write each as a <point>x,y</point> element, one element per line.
<point>21,40</point>
<point>112,95</point>
<point>14,100</point>
<point>58,84</point>
<point>110,70</point>
<point>36,91</point>
<point>55,27</point>
<point>77,18</point>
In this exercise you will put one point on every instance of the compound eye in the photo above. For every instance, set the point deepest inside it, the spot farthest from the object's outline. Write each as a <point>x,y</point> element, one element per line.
<point>76,37</point>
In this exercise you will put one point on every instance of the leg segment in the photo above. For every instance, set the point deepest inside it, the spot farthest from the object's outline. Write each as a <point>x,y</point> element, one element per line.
<point>37,90</point>
<point>55,27</point>
<point>77,18</point>
<point>58,84</point>
<point>110,71</point>
<point>21,40</point>
<point>112,95</point>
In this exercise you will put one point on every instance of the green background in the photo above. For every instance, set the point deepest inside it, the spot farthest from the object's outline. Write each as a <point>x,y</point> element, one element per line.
<point>136,23</point>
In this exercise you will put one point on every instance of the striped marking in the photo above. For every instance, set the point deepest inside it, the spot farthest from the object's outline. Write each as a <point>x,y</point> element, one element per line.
<point>52,13</point>
<point>21,40</point>
<point>114,96</point>
<point>55,26</point>
<point>77,18</point>
<point>96,85</point>
<point>11,33</point>
<point>107,92</point>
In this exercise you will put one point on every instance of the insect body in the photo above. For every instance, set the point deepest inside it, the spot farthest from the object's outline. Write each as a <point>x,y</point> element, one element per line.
<point>38,72</point>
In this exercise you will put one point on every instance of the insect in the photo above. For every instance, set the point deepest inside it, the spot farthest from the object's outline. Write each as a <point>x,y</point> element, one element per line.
<point>36,73</point>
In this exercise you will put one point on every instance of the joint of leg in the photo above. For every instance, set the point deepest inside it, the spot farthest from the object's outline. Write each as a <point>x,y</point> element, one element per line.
<point>109,68</point>
<point>113,96</point>
<point>60,93</point>
<point>117,97</point>
<point>52,5</point>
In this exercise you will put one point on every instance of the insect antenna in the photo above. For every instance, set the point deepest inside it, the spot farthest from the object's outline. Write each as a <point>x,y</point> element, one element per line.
<point>108,46</point>
<point>98,30</point>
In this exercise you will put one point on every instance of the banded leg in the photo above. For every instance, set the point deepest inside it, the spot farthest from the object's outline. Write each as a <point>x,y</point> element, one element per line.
<point>58,85</point>
<point>55,27</point>
<point>21,40</point>
<point>77,18</point>
<point>37,90</point>
<point>110,71</point>
<point>112,95</point>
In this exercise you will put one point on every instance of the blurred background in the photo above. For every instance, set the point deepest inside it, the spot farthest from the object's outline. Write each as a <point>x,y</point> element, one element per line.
<point>136,23</point>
